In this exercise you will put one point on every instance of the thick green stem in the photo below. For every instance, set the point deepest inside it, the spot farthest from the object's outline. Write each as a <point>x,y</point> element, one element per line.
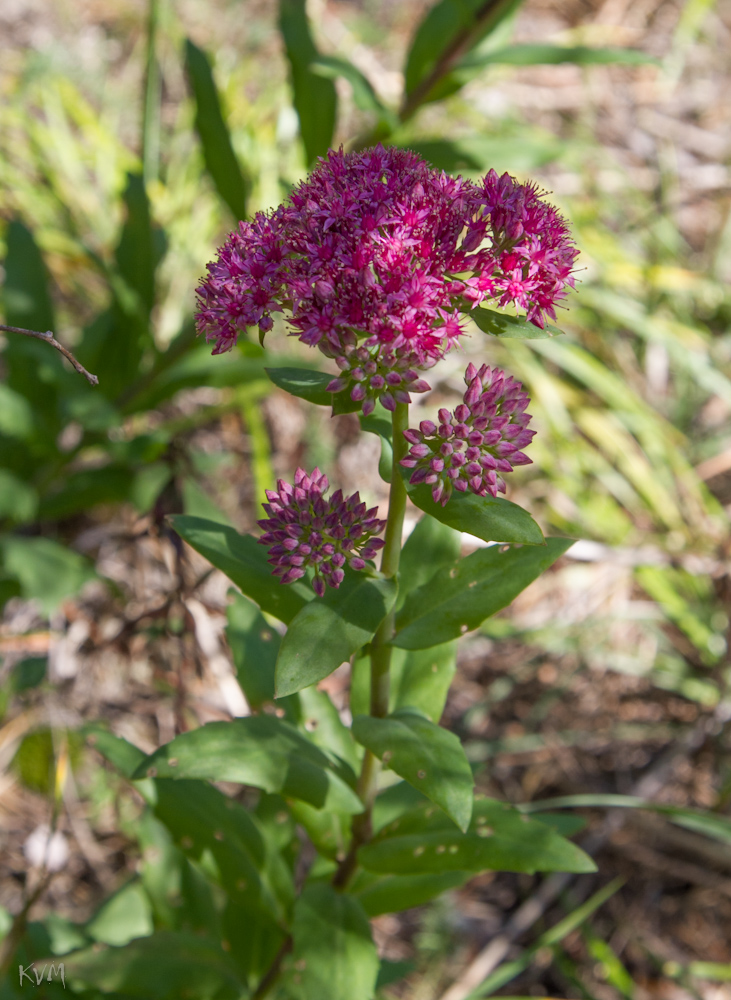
<point>380,648</point>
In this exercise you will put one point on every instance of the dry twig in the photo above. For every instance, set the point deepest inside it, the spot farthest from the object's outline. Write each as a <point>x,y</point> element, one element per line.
<point>50,339</point>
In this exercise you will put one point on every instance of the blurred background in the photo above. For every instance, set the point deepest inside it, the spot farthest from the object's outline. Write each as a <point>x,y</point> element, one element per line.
<point>132,136</point>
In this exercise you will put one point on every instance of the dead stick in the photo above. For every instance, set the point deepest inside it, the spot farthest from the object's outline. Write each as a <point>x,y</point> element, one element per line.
<point>50,339</point>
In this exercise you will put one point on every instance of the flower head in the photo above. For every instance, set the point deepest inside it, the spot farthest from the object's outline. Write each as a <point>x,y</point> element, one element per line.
<point>472,446</point>
<point>378,252</point>
<point>305,529</point>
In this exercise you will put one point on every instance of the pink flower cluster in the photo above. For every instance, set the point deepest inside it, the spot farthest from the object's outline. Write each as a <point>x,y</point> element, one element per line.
<point>377,251</point>
<point>472,446</point>
<point>304,529</point>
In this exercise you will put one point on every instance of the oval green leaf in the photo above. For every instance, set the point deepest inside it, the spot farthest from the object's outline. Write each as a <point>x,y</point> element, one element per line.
<point>333,956</point>
<point>490,518</point>
<point>499,839</point>
<point>393,893</point>
<point>262,751</point>
<point>326,633</point>
<point>305,383</point>
<point>458,599</point>
<point>218,153</point>
<point>244,562</point>
<point>428,757</point>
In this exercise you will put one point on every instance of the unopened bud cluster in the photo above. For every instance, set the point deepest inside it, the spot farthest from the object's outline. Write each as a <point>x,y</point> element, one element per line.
<point>370,376</point>
<point>305,529</point>
<point>473,447</point>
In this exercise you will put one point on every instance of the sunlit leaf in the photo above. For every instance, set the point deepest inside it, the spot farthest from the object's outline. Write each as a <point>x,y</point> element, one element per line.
<point>315,98</point>
<point>499,839</point>
<point>508,327</point>
<point>428,757</point>
<point>491,518</point>
<point>221,161</point>
<point>459,599</point>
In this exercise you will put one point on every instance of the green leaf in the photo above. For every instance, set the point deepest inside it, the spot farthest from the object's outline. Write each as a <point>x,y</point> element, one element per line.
<point>140,246</point>
<point>315,98</point>
<point>364,96</point>
<point>535,55</point>
<point>163,966</point>
<point>326,632</point>
<point>47,571</point>
<point>459,599</point>
<point>244,366</point>
<point>204,821</point>
<point>244,562</point>
<point>492,519</point>
<point>713,825</point>
<point>446,23</point>
<point>254,941</point>
<point>478,152</point>
<point>124,916</point>
<point>428,757</point>
<point>499,324</point>
<point>429,547</point>
<point>333,955</point>
<point>26,296</point>
<point>116,341</point>
<point>382,428</point>
<point>85,489</point>
<point>304,383</point>
<point>120,753</point>
<point>499,839</point>
<point>18,500</point>
<point>16,413</point>
<point>321,721</point>
<point>391,972</point>
<point>220,159</point>
<point>254,647</point>
<point>393,893</point>
<point>329,832</point>
<point>420,678</point>
<point>33,368</point>
<point>262,751</point>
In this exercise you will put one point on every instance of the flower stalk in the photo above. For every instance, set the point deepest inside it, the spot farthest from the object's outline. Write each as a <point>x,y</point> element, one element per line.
<point>380,651</point>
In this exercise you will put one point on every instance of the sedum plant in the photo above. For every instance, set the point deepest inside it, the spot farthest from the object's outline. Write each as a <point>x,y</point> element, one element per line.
<point>375,261</point>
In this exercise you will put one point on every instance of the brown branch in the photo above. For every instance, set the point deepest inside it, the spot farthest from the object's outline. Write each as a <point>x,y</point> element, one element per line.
<point>274,971</point>
<point>50,339</point>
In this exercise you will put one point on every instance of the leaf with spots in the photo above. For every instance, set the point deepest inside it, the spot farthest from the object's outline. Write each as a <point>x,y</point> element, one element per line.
<point>429,547</point>
<point>460,598</point>
<point>333,953</point>
<point>327,632</point>
<point>428,757</point>
<point>203,820</point>
<point>262,751</point>
<point>499,838</point>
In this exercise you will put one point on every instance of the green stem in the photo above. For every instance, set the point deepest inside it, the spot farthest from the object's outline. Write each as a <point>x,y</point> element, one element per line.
<point>380,648</point>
